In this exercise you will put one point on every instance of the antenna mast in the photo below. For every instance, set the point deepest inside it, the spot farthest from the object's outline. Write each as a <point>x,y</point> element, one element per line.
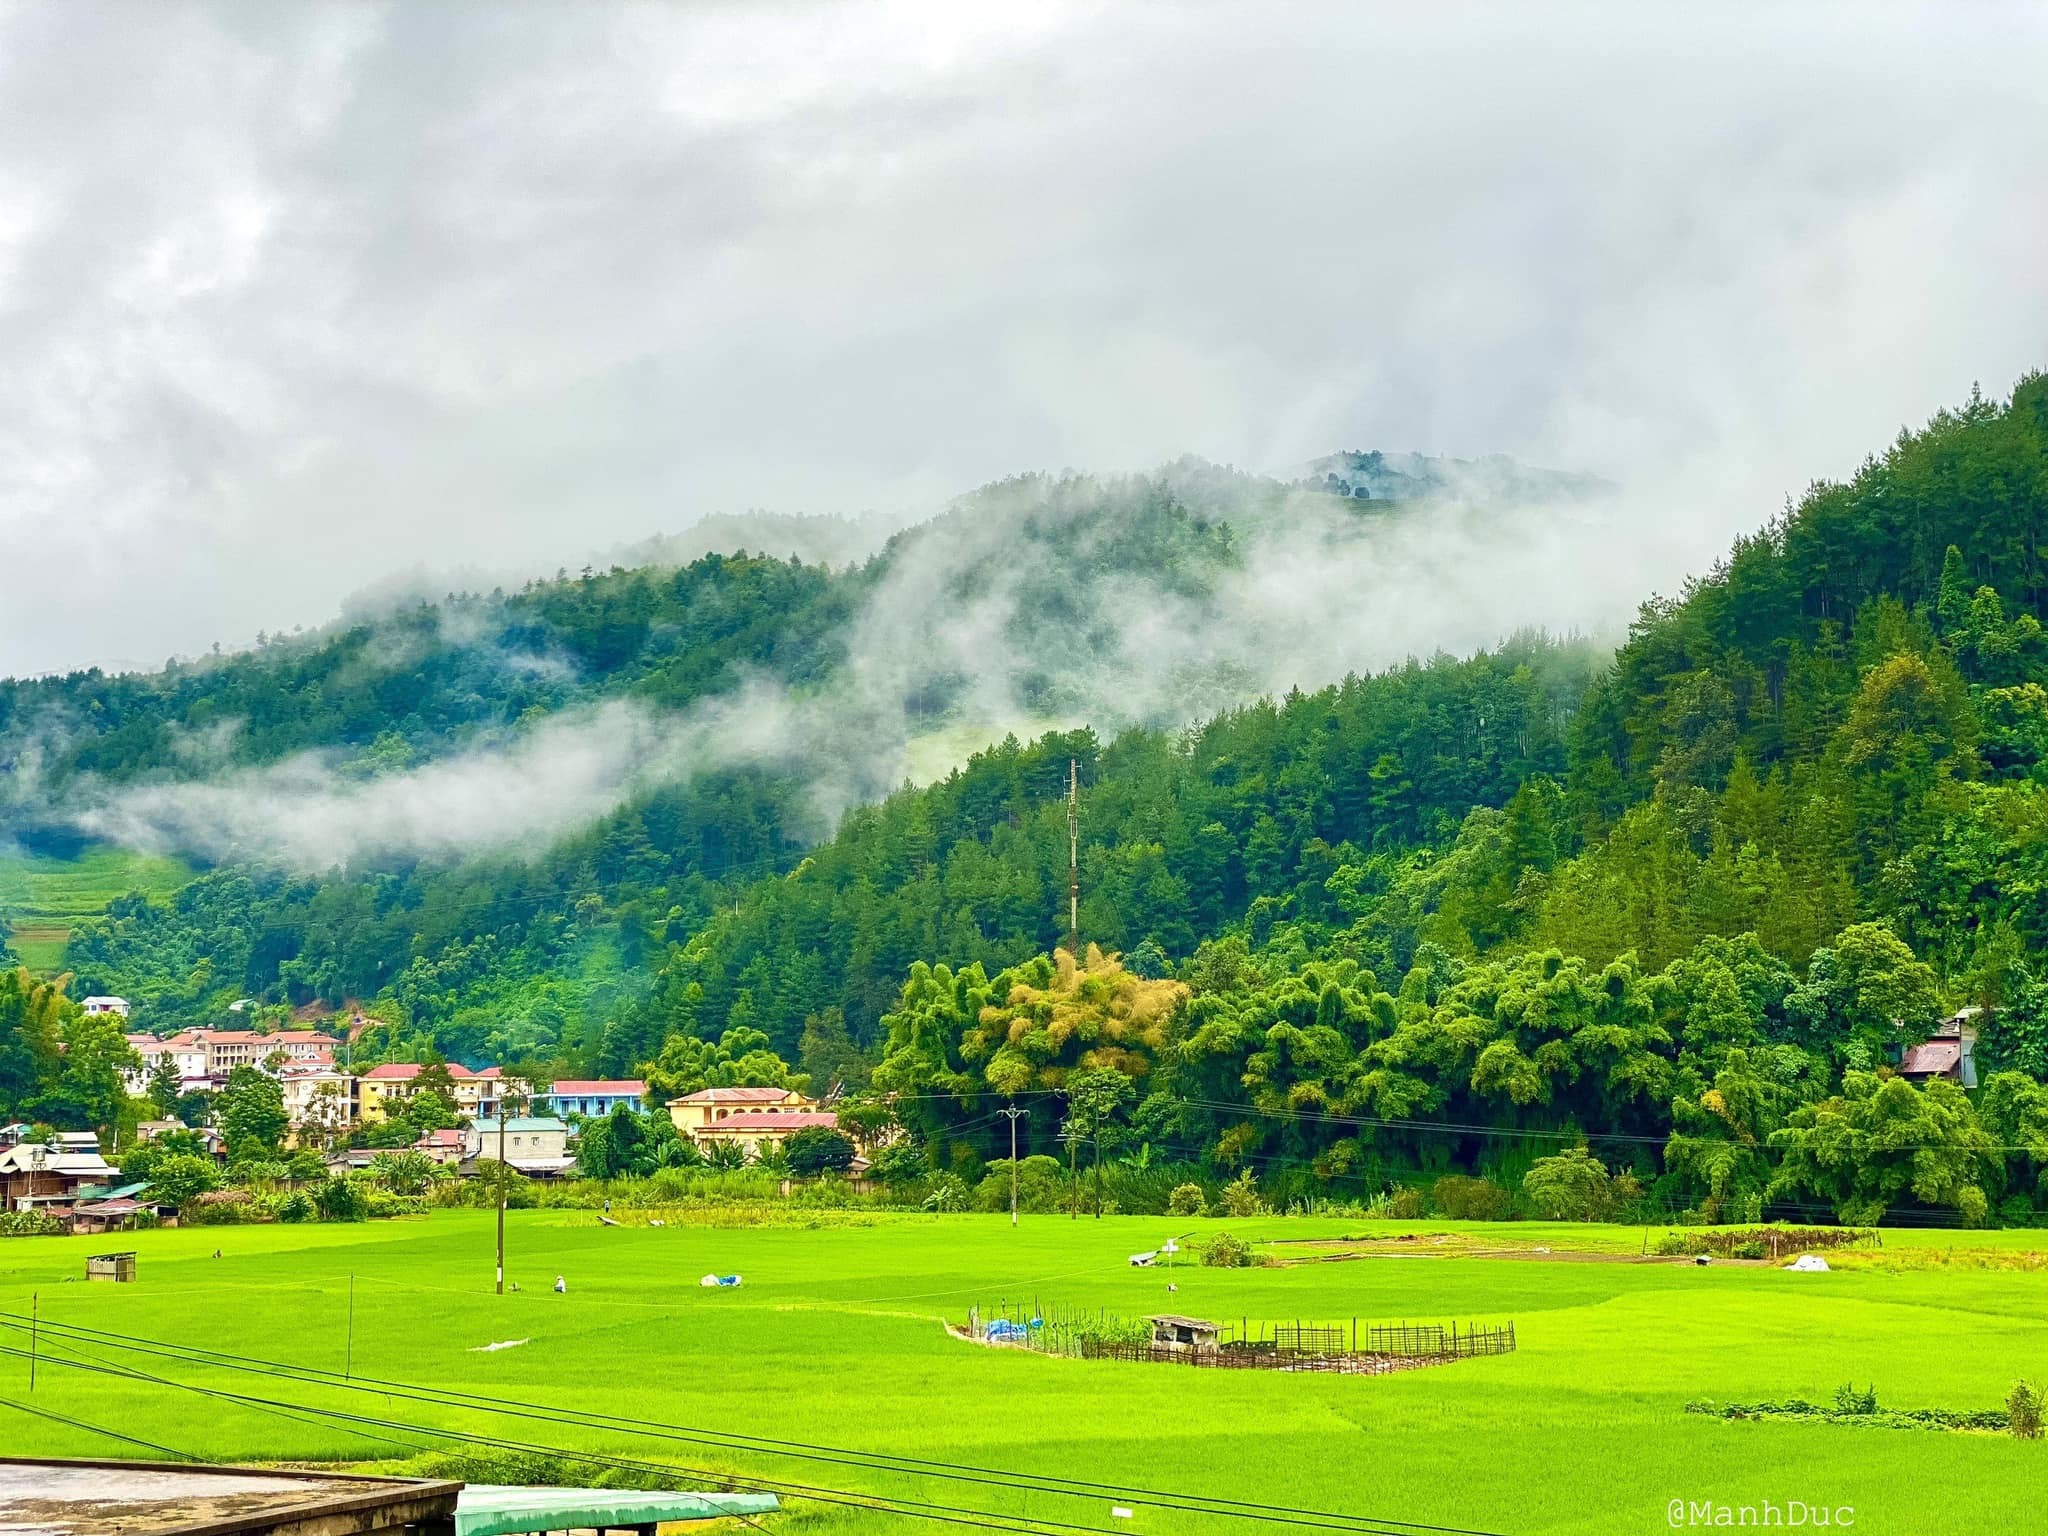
<point>1074,860</point>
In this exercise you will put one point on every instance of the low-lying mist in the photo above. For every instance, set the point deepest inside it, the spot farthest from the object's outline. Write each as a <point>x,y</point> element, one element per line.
<point>1153,600</point>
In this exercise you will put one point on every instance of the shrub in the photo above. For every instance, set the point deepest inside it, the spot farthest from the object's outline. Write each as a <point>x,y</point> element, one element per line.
<point>403,1173</point>
<point>1404,1203</point>
<point>1467,1199</point>
<point>340,1200</point>
<point>818,1149</point>
<point>1572,1186</point>
<point>1241,1197</point>
<point>1849,1400</point>
<point>1038,1186</point>
<point>1226,1252</point>
<point>1973,1206</point>
<point>2023,1411</point>
<point>296,1206</point>
<point>182,1177</point>
<point>30,1224</point>
<point>222,1208</point>
<point>1187,1200</point>
<point>901,1162</point>
<point>946,1192</point>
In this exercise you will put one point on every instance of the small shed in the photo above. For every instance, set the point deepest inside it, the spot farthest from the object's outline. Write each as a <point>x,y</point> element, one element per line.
<point>1177,1332</point>
<point>101,1216</point>
<point>110,1266</point>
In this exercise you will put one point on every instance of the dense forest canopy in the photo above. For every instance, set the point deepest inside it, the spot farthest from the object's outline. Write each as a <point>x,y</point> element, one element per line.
<point>1685,902</point>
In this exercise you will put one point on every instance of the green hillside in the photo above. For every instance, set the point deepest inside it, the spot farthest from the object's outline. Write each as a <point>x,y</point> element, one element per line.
<point>1686,904</point>
<point>42,897</point>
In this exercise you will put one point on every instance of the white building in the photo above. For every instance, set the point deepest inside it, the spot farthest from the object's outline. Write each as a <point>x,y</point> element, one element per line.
<point>319,1101</point>
<point>187,1056</point>
<point>95,1006</point>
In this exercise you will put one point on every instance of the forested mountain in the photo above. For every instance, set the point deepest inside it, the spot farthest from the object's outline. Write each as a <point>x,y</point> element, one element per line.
<point>1691,899</point>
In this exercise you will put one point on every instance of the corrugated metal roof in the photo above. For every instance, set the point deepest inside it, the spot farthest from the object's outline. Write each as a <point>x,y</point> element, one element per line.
<point>1934,1059</point>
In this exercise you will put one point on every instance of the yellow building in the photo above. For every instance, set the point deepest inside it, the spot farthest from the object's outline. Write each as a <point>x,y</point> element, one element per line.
<point>701,1110</point>
<point>398,1080</point>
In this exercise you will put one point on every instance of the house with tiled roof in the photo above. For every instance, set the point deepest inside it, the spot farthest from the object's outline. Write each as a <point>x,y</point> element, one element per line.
<point>757,1131</point>
<point>697,1111</point>
<point>752,1119</point>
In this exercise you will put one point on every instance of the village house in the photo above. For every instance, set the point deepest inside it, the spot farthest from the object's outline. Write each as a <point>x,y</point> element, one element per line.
<point>580,1096</point>
<point>149,1130</point>
<point>187,1054</point>
<point>537,1146</point>
<point>38,1173</point>
<point>95,1007</point>
<point>227,1049</point>
<point>395,1081</point>
<point>753,1119</point>
<point>756,1132</point>
<point>694,1112</point>
<point>1949,1053</point>
<point>203,1058</point>
<point>444,1148</point>
<point>319,1100</point>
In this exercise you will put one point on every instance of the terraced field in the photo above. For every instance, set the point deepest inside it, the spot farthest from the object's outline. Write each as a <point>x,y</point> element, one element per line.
<point>40,898</point>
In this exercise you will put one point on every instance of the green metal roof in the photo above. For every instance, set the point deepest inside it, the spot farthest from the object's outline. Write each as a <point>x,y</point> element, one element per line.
<point>497,1510</point>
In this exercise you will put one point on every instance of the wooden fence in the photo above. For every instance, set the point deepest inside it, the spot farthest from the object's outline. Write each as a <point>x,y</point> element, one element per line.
<point>1341,1348</point>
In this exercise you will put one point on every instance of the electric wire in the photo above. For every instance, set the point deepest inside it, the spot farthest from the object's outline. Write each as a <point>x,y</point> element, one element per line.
<point>880,1503</point>
<point>727,1440</point>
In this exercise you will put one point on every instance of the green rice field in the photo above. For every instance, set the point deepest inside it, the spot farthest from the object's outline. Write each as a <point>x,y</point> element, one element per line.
<point>40,897</point>
<point>835,1339</point>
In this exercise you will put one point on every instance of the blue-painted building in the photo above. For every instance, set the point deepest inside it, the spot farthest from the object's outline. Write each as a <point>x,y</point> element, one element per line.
<point>582,1096</point>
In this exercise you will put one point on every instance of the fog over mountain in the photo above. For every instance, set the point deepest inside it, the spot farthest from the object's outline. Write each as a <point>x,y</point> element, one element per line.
<point>295,298</point>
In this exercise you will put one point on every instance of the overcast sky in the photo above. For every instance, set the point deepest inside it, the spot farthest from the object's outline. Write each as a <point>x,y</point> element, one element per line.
<point>292,298</point>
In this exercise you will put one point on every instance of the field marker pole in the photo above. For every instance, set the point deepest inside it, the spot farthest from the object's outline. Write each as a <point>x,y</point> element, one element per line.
<point>501,1190</point>
<point>1013,1112</point>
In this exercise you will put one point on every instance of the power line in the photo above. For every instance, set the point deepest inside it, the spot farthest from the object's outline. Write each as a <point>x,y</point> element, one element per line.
<point>763,1445</point>
<point>881,1503</point>
<point>93,1429</point>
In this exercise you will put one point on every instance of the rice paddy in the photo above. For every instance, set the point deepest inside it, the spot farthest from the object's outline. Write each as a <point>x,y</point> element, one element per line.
<point>836,1337</point>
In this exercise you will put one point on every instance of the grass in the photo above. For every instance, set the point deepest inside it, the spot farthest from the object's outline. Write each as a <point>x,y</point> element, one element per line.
<point>835,1337</point>
<point>41,897</point>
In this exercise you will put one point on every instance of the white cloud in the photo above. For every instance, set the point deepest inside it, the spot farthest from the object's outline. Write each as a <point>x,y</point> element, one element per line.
<point>293,297</point>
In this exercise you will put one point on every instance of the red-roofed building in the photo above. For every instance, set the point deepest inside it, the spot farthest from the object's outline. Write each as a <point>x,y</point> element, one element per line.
<point>698,1111</point>
<point>444,1147</point>
<point>754,1131</point>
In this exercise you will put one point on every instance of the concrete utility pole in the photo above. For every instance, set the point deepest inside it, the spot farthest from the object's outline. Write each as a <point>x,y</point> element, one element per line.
<point>1073,1139</point>
<point>1012,1114</point>
<point>504,1109</point>
<point>501,1192</point>
<point>1074,859</point>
